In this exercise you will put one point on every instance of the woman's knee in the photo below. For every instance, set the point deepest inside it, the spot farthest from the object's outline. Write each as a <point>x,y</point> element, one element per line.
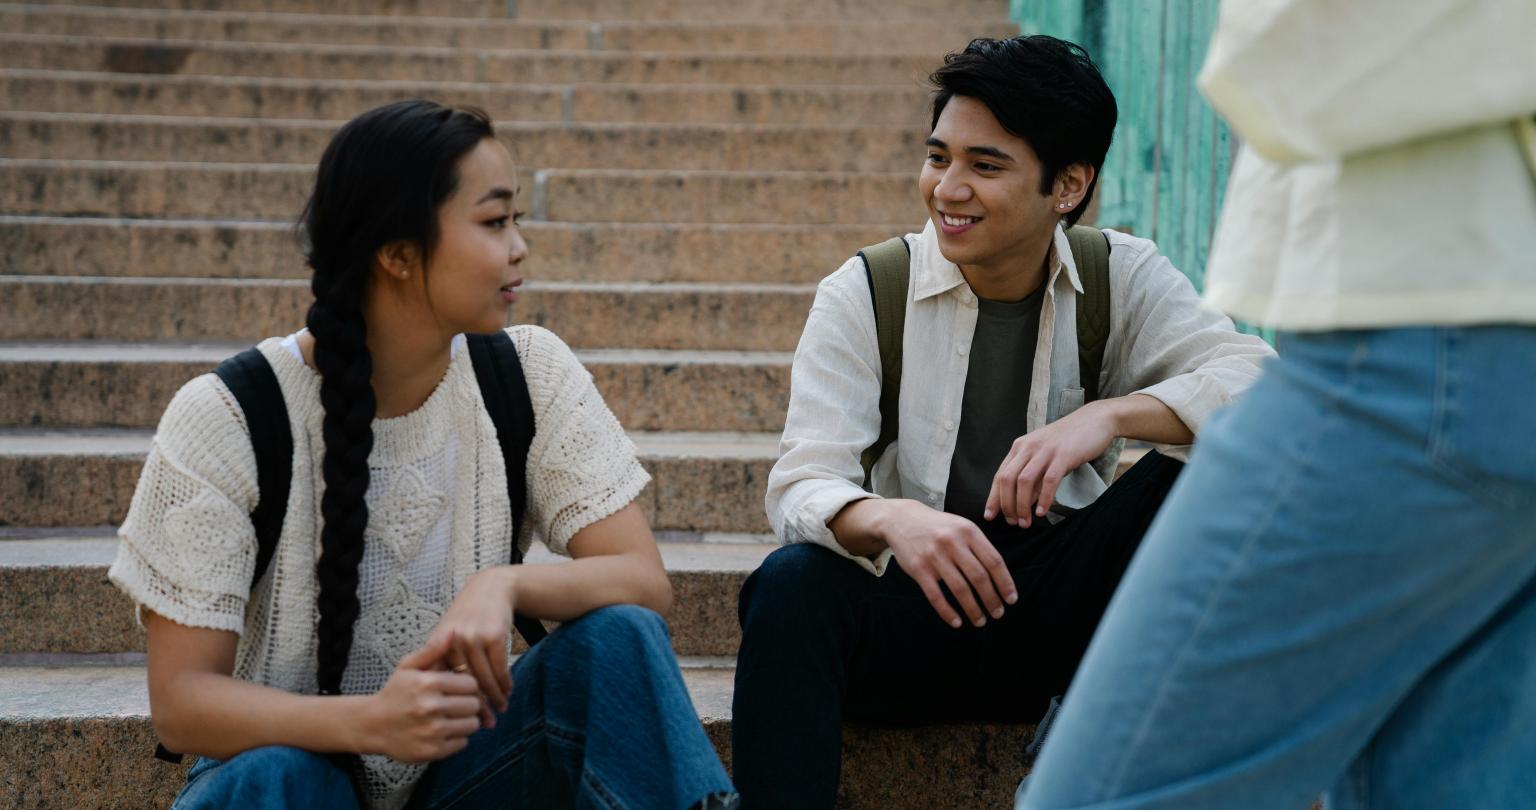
<point>274,772</point>
<point>621,622</point>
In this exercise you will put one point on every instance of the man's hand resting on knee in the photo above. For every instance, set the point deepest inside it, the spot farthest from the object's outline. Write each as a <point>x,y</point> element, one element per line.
<point>933,547</point>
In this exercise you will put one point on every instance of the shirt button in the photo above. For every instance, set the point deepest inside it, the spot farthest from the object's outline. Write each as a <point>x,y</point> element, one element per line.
<point>960,350</point>
<point>949,425</point>
<point>933,497</point>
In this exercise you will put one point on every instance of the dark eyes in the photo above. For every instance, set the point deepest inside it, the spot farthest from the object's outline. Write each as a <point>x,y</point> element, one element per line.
<point>501,222</point>
<point>936,159</point>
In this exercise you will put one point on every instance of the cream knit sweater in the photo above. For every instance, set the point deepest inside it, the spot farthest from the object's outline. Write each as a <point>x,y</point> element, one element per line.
<point>438,512</point>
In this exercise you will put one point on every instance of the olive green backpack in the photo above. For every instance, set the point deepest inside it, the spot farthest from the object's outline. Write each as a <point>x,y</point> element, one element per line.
<point>887,267</point>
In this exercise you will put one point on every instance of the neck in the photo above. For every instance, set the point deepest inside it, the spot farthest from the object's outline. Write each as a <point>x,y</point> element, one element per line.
<point>1013,276</point>
<point>410,357</point>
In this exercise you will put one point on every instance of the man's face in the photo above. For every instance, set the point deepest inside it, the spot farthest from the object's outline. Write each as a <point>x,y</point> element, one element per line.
<point>982,187</point>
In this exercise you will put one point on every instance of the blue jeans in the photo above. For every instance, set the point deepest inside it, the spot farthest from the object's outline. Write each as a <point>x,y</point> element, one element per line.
<point>1340,595</point>
<point>599,718</point>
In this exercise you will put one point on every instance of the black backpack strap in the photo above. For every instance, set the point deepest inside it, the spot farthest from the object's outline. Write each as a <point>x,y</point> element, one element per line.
<point>888,269</point>
<point>249,377</point>
<point>1090,252</point>
<point>505,391</point>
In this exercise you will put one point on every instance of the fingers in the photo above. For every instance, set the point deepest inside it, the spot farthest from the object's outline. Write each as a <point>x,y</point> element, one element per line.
<point>481,667</point>
<point>996,569</point>
<point>980,581</point>
<point>454,683</point>
<point>1048,485</point>
<point>930,587</point>
<point>459,727</point>
<point>430,654</point>
<point>1024,491</point>
<point>958,588</point>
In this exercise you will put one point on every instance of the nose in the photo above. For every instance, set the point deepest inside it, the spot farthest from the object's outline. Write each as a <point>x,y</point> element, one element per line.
<point>519,249</point>
<point>952,187</point>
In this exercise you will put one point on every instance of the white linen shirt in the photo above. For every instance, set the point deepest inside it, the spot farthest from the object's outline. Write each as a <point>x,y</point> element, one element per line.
<point>1161,342</point>
<point>1389,173</point>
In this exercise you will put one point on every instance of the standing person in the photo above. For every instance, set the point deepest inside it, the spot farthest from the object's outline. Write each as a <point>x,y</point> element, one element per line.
<point>374,648</point>
<point>938,588</point>
<point>1340,594</point>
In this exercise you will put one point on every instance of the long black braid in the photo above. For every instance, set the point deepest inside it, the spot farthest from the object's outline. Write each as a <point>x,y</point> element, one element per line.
<point>381,180</point>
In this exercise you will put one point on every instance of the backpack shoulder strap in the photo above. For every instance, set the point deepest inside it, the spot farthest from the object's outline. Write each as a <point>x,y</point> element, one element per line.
<point>505,391</point>
<point>251,380</point>
<point>888,268</point>
<point>249,377</point>
<point>1090,252</point>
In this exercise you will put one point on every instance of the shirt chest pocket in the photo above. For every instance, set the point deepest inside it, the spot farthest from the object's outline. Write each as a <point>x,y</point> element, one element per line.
<point>1067,401</point>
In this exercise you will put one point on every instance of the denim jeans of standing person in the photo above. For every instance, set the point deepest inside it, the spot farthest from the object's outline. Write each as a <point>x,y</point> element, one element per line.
<point>823,639</point>
<point>599,718</point>
<point>1339,596</point>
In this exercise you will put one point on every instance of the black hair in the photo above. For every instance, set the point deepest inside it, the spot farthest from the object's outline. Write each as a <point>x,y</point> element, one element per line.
<point>1042,89</point>
<point>381,180</point>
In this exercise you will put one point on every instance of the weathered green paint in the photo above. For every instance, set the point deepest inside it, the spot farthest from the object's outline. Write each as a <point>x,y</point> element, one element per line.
<point>1166,172</point>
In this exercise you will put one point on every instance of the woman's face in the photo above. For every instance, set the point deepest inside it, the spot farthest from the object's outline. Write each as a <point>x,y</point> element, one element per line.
<point>474,270</point>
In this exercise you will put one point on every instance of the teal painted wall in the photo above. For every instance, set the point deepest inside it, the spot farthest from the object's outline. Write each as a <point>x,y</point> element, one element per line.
<point>1166,172</point>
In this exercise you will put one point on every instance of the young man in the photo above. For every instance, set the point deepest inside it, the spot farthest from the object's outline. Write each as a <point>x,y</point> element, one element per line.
<point>965,581</point>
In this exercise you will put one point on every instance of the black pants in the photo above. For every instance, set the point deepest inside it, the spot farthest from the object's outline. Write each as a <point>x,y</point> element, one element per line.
<point>823,640</point>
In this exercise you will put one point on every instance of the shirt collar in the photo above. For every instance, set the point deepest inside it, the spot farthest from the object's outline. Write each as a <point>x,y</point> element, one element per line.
<point>932,274</point>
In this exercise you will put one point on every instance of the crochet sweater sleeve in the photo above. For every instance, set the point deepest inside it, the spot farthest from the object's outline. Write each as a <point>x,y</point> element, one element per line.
<point>187,547</point>
<point>582,467</point>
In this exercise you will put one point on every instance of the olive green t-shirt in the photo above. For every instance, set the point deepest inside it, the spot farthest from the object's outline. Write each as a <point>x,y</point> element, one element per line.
<point>996,404</point>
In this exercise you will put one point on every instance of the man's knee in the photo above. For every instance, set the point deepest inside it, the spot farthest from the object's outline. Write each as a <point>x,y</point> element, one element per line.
<point>801,579</point>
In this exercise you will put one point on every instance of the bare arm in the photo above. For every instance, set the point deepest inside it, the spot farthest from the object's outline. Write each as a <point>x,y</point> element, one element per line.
<point>197,707</point>
<point>615,562</point>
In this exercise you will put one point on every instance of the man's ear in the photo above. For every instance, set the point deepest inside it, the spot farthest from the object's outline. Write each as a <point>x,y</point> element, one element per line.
<point>1072,184</point>
<point>398,259</point>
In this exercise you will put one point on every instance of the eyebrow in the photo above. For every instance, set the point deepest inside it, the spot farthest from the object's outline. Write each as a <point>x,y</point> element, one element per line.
<point>497,193</point>
<point>979,151</point>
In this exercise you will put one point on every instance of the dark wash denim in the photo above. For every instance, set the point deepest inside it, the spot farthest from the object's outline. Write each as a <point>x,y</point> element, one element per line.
<point>599,718</point>
<point>824,640</point>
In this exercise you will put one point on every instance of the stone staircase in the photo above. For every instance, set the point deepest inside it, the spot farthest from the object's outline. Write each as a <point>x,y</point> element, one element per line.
<point>691,168</point>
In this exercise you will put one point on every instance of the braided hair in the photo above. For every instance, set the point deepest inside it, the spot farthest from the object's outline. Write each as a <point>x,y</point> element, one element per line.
<point>381,180</point>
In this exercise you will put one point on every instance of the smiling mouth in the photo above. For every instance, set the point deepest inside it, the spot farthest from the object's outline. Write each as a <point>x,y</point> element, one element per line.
<point>958,222</point>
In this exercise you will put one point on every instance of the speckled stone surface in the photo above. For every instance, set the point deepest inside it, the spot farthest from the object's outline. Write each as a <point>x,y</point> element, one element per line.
<point>55,596</point>
<point>702,482</point>
<point>559,252</point>
<point>383,8</point>
<point>138,94</point>
<point>110,387</point>
<point>616,196</point>
<point>751,317</point>
<point>285,60</point>
<point>911,11</point>
<point>329,30</point>
<point>278,191</point>
<point>536,146</point>
<point>80,737</point>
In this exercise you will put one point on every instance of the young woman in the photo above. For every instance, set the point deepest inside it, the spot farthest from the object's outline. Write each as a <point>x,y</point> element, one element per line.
<point>368,664</point>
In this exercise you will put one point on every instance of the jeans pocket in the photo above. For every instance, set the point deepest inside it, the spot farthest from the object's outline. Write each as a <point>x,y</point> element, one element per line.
<point>1482,434</point>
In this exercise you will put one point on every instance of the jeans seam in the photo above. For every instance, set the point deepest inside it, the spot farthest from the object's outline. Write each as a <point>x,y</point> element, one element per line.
<point>1160,693</point>
<point>510,756</point>
<point>601,791</point>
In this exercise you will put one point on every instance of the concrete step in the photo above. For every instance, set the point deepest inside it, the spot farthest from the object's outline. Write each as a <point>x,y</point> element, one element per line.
<point>559,252</point>
<point>55,596</point>
<point>912,11</point>
<point>788,36</point>
<point>278,191</point>
<point>332,99</point>
<point>703,482</point>
<point>712,147</point>
<point>915,12</point>
<point>380,8</point>
<point>128,385</point>
<point>305,61</point>
<point>74,735</point>
<point>740,317</point>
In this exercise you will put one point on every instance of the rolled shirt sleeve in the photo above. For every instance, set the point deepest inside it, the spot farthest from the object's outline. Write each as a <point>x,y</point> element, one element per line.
<point>834,414</point>
<point>1190,358</point>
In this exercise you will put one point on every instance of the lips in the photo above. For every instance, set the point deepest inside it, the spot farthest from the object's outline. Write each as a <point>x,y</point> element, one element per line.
<point>954,224</point>
<point>509,291</point>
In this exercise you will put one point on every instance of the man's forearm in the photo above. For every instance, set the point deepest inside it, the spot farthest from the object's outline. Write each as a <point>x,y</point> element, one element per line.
<point>857,526</point>
<point>1145,418</point>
